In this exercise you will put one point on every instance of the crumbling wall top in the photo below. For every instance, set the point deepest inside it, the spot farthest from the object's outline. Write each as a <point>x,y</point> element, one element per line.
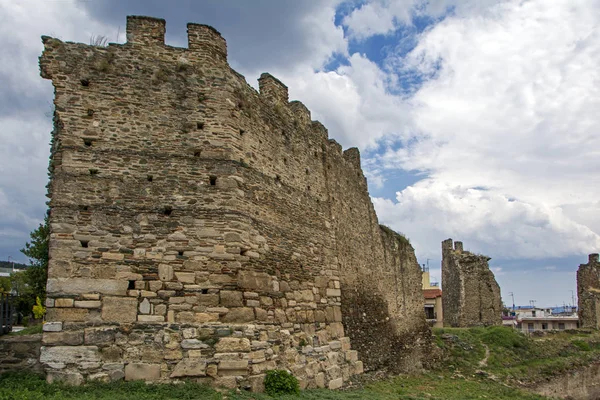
<point>593,258</point>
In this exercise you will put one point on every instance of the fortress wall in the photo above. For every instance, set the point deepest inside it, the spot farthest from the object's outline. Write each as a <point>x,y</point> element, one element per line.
<point>588,293</point>
<point>200,228</point>
<point>471,294</point>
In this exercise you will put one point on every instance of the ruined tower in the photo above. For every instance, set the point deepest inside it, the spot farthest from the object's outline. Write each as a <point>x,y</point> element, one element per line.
<point>202,229</point>
<point>471,294</point>
<point>588,293</point>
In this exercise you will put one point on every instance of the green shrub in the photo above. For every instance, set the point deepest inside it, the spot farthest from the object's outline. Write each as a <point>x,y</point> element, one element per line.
<point>278,382</point>
<point>502,336</point>
<point>582,345</point>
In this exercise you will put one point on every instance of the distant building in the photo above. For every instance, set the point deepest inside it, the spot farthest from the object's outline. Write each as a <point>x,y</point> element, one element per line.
<point>530,319</point>
<point>433,301</point>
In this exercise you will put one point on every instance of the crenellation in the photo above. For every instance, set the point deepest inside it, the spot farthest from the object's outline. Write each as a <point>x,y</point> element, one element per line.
<point>273,89</point>
<point>146,31</point>
<point>458,246</point>
<point>301,113</point>
<point>182,201</point>
<point>352,155</point>
<point>206,42</point>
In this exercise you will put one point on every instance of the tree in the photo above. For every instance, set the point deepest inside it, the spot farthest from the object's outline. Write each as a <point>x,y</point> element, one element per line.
<point>5,284</point>
<point>37,250</point>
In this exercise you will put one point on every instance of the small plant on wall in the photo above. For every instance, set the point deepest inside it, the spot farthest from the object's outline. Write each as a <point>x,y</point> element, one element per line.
<point>280,382</point>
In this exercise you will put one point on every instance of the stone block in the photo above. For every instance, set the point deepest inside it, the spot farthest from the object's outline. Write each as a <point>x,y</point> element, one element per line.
<point>257,383</point>
<point>336,383</point>
<point>67,338</point>
<point>231,298</point>
<point>252,280</point>
<point>88,304</point>
<point>63,303</point>
<point>320,380</point>
<point>72,286</point>
<point>193,344</point>
<point>150,318</point>
<point>165,272</point>
<point>239,314</point>
<point>189,367</point>
<point>52,327</point>
<point>334,292</point>
<point>233,367</point>
<point>119,309</point>
<point>141,371</point>
<point>206,317</point>
<point>186,277</point>
<point>69,354</point>
<point>68,378</point>
<point>99,336</point>
<point>67,314</point>
<point>233,345</point>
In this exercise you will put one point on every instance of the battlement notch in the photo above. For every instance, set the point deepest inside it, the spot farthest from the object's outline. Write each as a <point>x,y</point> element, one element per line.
<point>272,88</point>
<point>207,41</point>
<point>145,31</point>
<point>593,258</point>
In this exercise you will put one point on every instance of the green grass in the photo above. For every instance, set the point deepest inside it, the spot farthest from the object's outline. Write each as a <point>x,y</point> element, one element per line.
<point>25,386</point>
<point>513,360</point>
<point>30,330</point>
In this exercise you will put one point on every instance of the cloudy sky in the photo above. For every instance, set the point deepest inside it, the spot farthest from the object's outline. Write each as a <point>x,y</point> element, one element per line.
<point>476,119</point>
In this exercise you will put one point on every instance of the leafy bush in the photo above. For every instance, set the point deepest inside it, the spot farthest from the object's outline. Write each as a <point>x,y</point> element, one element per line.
<point>278,382</point>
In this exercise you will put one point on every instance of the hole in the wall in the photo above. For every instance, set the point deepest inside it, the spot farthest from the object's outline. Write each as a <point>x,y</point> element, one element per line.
<point>149,178</point>
<point>277,179</point>
<point>308,188</point>
<point>242,132</point>
<point>204,291</point>
<point>87,142</point>
<point>197,153</point>
<point>93,171</point>
<point>180,253</point>
<point>243,252</point>
<point>307,171</point>
<point>131,285</point>
<point>168,210</point>
<point>90,112</point>
<point>84,208</point>
<point>285,160</point>
<point>84,243</point>
<point>85,82</point>
<point>212,180</point>
<point>199,125</point>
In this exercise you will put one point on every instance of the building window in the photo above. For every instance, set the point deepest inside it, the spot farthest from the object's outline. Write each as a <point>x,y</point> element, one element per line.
<point>530,327</point>
<point>561,326</point>
<point>429,313</point>
<point>533,313</point>
<point>544,327</point>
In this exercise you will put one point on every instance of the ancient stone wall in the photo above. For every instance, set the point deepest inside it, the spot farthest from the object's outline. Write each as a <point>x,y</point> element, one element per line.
<point>588,293</point>
<point>202,229</point>
<point>20,353</point>
<point>471,294</point>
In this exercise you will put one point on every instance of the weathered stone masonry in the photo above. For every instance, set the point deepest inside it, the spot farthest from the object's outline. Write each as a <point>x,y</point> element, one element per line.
<point>588,293</point>
<point>471,293</point>
<point>202,229</point>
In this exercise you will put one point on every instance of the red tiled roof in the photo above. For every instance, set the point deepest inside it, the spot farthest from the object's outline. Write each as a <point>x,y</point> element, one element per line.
<point>432,293</point>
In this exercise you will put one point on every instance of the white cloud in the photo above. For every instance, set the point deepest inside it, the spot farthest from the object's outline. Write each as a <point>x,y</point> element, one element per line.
<point>25,102</point>
<point>512,109</point>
